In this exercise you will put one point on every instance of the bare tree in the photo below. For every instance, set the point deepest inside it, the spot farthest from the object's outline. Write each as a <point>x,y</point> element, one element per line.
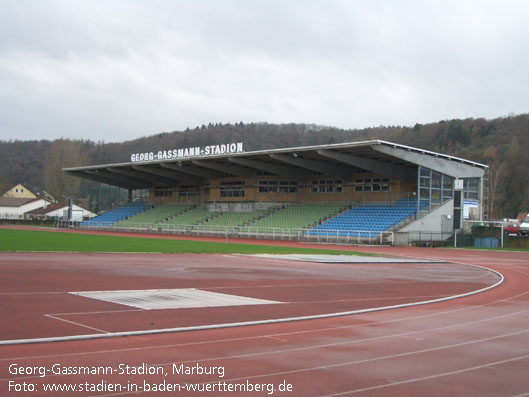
<point>62,153</point>
<point>497,173</point>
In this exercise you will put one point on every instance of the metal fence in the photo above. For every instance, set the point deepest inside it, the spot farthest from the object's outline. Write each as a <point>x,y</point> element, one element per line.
<point>306,235</point>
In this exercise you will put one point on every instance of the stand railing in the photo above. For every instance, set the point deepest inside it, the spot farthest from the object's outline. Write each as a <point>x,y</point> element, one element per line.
<point>306,235</point>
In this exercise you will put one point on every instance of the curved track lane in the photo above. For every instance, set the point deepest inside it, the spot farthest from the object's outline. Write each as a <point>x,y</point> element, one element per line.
<point>478,345</point>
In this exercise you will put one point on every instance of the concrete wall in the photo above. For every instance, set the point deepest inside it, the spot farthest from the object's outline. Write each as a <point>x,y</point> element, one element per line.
<point>439,220</point>
<point>437,225</point>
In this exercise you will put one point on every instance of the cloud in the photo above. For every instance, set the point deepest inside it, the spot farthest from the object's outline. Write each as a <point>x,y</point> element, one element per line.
<point>116,70</point>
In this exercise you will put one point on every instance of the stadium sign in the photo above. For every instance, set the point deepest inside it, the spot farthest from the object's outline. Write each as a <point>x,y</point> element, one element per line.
<point>175,154</point>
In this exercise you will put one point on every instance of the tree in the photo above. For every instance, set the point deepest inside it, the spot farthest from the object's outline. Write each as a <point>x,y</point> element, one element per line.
<point>4,183</point>
<point>62,153</point>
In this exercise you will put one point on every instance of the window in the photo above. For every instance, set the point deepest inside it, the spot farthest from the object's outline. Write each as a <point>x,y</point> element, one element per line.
<point>163,191</point>
<point>448,187</point>
<point>187,190</point>
<point>274,186</point>
<point>372,184</point>
<point>232,189</point>
<point>471,188</point>
<point>436,188</point>
<point>327,186</point>
<point>263,173</point>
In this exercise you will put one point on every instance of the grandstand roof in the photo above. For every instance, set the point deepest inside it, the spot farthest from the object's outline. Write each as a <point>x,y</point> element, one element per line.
<point>336,160</point>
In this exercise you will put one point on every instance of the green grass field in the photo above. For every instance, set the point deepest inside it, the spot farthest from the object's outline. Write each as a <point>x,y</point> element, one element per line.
<point>12,240</point>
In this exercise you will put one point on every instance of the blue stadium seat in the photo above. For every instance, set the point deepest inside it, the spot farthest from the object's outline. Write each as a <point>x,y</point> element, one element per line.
<point>370,220</point>
<point>117,214</point>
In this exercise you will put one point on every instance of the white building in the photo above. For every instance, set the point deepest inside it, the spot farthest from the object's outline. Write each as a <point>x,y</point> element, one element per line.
<point>60,211</point>
<point>16,208</point>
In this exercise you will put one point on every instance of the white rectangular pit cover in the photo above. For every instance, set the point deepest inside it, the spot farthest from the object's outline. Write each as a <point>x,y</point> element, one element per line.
<point>172,298</point>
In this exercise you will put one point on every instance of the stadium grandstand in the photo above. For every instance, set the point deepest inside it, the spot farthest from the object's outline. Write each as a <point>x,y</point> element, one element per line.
<point>356,192</point>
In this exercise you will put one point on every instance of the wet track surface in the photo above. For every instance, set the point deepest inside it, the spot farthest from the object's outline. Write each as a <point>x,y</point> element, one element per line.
<point>476,345</point>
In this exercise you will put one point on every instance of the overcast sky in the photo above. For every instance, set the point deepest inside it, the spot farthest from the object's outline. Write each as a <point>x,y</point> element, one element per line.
<point>116,70</point>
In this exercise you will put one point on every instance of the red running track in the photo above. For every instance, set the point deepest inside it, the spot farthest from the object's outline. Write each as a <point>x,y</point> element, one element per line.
<point>477,345</point>
<point>37,304</point>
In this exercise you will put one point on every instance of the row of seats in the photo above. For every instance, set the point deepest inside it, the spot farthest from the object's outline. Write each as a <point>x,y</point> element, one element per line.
<point>366,219</point>
<point>233,219</point>
<point>369,218</point>
<point>155,214</point>
<point>118,214</point>
<point>192,217</point>
<point>298,216</point>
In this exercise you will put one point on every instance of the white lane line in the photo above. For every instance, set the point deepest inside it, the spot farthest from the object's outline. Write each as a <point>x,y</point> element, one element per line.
<point>459,371</point>
<point>98,312</point>
<point>352,342</point>
<point>312,285</point>
<point>74,323</point>
<point>369,360</point>
<point>250,323</point>
<point>522,395</point>
<point>327,329</point>
<point>370,299</point>
<point>31,293</point>
<point>349,342</point>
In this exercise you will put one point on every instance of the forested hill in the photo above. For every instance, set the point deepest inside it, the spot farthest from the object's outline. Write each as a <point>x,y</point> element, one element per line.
<point>502,143</point>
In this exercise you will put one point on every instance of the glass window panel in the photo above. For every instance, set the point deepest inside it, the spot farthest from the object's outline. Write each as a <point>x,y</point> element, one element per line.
<point>448,182</point>
<point>436,180</point>
<point>448,194</point>
<point>473,184</point>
